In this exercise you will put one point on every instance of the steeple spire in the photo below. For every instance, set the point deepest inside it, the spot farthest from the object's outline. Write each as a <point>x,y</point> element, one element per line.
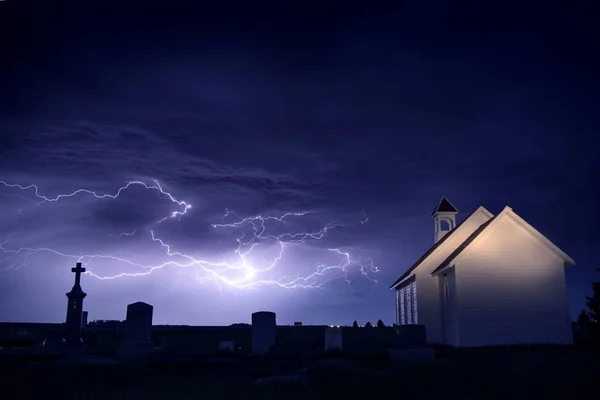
<point>444,206</point>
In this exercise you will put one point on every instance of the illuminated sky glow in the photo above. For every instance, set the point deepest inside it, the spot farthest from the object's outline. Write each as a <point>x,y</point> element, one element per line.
<point>257,257</point>
<point>336,131</point>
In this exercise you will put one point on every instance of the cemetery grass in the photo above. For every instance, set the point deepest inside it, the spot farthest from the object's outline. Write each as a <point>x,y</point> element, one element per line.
<point>535,372</point>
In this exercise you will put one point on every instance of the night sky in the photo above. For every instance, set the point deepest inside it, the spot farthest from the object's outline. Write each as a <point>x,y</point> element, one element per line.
<point>312,144</point>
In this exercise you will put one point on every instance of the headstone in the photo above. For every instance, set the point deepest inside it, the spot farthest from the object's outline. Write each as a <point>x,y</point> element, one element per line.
<point>298,323</point>
<point>264,332</point>
<point>138,325</point>
<point>333,339</point>
<point>138,329</point>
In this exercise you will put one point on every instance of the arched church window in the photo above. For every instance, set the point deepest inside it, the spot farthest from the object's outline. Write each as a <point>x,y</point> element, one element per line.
<point>444,226</point>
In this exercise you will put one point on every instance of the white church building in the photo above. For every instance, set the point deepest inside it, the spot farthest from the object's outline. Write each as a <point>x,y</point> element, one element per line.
<point>490,280</point>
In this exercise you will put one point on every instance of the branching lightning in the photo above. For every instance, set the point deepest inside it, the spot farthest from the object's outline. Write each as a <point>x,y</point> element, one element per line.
<point>233,268</point>
<point>365,218</point>
<point>120,235</point>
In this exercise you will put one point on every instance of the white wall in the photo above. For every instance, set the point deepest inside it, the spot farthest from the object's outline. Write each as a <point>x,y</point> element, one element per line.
<point>511,289</point>
<point>428,290</point>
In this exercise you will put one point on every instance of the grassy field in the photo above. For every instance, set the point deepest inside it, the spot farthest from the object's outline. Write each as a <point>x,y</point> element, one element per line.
<point>493,373</point>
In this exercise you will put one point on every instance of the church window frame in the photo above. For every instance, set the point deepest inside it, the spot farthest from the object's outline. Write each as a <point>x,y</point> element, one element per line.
<point>406,303</point>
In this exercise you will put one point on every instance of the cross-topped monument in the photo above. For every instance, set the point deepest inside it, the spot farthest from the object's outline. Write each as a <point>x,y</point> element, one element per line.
<point>75,308</point>
<point>78,270</point>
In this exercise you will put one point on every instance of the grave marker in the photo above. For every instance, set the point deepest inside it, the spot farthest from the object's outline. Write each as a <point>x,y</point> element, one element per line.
<point>264,332</point>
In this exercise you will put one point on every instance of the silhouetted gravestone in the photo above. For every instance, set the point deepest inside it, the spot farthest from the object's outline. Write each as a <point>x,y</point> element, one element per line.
<point>138,329</point>
<point>138,325</point>
<point>333,339</point>
<point>264,332</point>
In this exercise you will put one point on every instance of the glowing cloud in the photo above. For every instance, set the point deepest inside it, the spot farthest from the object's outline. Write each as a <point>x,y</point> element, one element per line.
<point>262,243</point>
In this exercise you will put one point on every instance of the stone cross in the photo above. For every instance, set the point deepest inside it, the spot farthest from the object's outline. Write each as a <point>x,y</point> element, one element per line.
<point>78,270</point>
<point>74,309</point>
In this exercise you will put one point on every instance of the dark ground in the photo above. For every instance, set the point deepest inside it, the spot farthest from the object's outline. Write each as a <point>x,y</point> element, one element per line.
<point>520,373</point>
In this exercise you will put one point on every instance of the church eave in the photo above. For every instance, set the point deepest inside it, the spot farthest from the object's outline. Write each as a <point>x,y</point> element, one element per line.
<point>428,253</point>
<point>567,259</point>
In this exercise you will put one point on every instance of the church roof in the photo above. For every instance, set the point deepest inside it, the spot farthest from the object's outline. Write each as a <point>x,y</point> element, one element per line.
<point>431,250</point>
<point>472,238</point>
<point>444,206</point>
<point>463,246</point>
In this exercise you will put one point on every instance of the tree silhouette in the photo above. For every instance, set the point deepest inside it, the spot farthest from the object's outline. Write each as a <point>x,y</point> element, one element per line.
<point>355,324</point>
<point>368,325</point>
<point>380,324</point>
<point>593,302</point>
<point>584,319</point>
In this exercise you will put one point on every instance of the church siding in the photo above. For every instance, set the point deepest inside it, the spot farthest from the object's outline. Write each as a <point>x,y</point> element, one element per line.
<point>511,289</point>
<point>428,290</point>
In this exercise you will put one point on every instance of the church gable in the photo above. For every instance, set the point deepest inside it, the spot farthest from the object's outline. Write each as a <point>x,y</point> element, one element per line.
<point>516,223</point>
<point>446,263</point>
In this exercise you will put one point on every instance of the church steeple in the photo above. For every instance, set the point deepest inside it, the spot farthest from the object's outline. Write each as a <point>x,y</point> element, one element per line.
<point>444,218</point>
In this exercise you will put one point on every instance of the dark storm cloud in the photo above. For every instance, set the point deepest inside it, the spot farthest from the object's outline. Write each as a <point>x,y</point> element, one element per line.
<point>350,114</point>
<point>111,150</point>
<point>125,214</point>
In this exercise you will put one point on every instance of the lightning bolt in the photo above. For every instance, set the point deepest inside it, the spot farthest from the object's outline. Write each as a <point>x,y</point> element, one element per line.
<point>155,186</point>
<point>236,270</point>
<point>120,235</point>
<point>365,218</point>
